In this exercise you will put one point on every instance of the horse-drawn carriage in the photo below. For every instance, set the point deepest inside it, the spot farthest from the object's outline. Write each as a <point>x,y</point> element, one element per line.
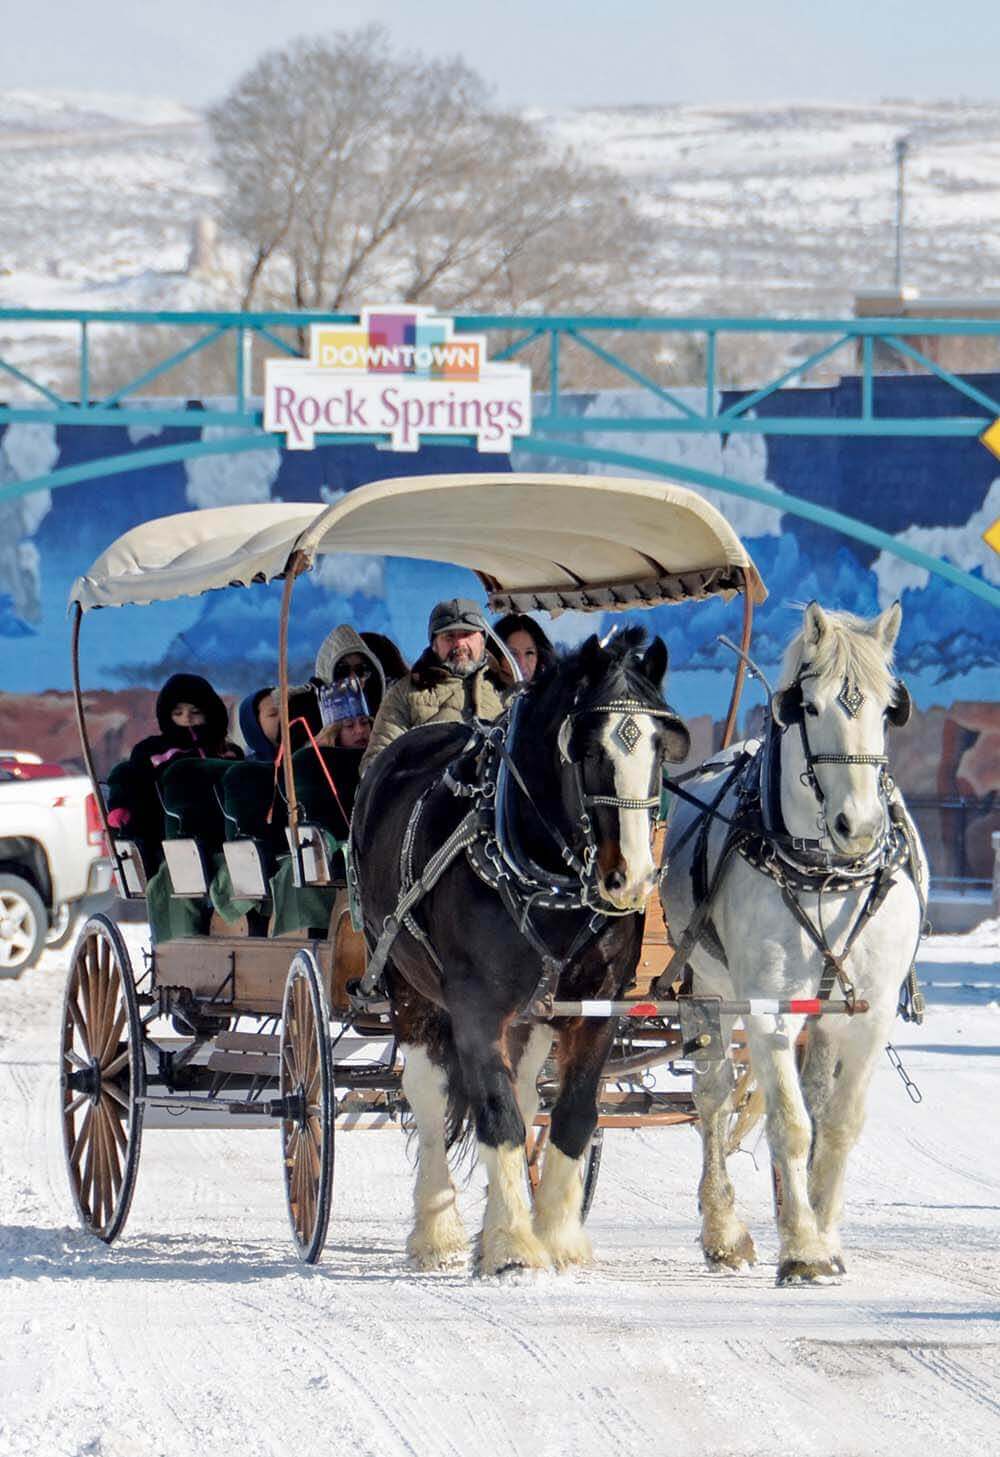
<point>302,1027</point>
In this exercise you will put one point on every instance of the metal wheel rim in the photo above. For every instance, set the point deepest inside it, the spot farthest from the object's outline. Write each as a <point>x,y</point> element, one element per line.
<point>306,1067</point>
<point>101,1043</point>
<point>15,910</point>
<point>591,1169</point>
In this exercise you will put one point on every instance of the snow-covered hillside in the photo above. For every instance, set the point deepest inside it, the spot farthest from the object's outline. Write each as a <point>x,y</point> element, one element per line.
<point>778,208</point>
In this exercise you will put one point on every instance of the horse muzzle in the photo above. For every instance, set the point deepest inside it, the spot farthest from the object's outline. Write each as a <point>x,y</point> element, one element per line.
<point>623,892</point>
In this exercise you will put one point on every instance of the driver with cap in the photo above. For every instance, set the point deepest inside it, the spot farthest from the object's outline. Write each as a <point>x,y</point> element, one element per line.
<point>454,680</point>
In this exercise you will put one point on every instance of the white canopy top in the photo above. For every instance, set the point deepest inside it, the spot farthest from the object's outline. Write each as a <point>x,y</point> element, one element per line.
<point>536,541</point>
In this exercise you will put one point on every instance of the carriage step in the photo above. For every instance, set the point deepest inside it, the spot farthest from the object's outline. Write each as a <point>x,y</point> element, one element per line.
<point>248,1042</point>
<point>257,1064</point>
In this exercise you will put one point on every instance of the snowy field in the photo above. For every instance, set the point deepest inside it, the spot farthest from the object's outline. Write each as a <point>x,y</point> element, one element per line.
<point>199,1334</point>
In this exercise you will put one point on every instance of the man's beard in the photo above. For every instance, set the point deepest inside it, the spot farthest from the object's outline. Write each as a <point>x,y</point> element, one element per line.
<point>463,667</point>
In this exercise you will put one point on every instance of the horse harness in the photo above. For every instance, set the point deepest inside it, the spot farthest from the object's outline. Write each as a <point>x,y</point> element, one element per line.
<point>799,865</point>
<point>489,841</point>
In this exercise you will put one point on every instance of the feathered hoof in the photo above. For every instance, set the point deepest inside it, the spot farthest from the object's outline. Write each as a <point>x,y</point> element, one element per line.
<point>731,1257</point>
<point>807,1272</point>
<point>566,1247</point>
<point>837,1261</point>
<point>504,1251</point>
<point>437,1246</point>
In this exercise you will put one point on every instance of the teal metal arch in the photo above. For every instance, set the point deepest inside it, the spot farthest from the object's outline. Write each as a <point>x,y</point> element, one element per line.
<point>688,475</point>
<point>554,334</point>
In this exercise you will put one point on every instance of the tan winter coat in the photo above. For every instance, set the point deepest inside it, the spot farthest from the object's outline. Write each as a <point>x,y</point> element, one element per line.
<point>430,693</point>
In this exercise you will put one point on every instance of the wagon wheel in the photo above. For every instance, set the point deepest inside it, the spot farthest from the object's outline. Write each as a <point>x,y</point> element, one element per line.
<point>306,1089</point>
<point>103,1078</point>
<point>590,1172</point>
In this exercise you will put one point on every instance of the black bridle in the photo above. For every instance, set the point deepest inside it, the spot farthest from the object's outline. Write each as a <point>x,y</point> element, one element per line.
<point>849,699</point>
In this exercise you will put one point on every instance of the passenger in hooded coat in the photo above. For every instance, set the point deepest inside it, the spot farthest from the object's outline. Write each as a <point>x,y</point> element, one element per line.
<point>193,720</point>
<point>260,724</point>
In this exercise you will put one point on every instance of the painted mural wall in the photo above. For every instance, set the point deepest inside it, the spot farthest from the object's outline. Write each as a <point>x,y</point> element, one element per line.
<point>939,494</point>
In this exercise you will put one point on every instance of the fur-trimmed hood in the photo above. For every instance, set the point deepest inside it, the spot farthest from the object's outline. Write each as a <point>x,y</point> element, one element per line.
<point>336,645</point>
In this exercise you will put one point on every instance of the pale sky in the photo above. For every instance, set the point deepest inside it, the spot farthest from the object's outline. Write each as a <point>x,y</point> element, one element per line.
<point>546,53</point>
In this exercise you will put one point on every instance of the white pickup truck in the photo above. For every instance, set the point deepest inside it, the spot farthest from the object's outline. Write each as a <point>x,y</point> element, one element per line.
<point>53,866</point>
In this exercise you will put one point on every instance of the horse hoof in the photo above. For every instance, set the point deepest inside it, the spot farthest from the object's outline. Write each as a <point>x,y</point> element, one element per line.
<point>503,1254</point>
<point>437,1249</point>
<point>807,1272</point>
<point>837,1261</point>
<point>566,1248</point>
<point>731,1257</point>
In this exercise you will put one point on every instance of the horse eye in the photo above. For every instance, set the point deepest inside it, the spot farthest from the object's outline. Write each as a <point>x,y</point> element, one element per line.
<point>812,710</point>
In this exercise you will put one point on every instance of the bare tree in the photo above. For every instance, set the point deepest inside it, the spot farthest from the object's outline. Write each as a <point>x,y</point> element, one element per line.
<point>353,174</point>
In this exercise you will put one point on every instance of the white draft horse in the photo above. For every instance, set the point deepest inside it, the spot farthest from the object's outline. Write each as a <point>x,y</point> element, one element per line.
<point>816,886</point>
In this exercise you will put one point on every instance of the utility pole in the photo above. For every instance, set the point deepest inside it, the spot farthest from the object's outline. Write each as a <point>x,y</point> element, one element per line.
<point>902,146</point>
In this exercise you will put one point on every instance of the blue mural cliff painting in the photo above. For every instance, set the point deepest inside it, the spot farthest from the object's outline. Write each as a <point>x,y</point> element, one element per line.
<point>938,494</point>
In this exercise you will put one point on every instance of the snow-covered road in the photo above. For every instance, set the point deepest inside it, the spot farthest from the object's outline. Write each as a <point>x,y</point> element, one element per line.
<point>198,1333</point>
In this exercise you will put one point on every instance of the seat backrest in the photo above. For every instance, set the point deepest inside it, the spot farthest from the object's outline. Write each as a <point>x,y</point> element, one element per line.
<point>191,804</point>
<point>248,792</point>
<point>313,769</point>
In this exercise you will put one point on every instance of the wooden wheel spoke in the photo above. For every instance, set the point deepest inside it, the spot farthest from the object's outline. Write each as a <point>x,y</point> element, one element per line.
<point>83,982</point>
<point>116,1125</point>
<point>111,1145</point>
<point>96,983</point>
<point>101,1179</point>
<point>115,1066</point>
<point>308,1200</point>
<point>76,1103</point>
<point>310,1072</point>
<point>87,1181</point>
<point>313,1146</point>
<point>76,1059</point>
<point>78,1020</point>
<point>291,1062</point>
<point>81,1138</point>
<point>114,1035</point>
<point>117,1094</point>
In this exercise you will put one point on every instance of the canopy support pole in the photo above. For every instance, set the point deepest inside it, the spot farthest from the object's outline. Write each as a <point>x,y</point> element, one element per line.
<point>88,753</point>
<point>741,663</point>
<point>296,563</point>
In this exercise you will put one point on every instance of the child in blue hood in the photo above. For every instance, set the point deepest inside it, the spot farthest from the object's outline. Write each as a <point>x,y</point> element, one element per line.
<point>260,725</point>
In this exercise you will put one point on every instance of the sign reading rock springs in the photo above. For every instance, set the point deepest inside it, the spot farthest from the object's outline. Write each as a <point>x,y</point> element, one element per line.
<point>400,372</point>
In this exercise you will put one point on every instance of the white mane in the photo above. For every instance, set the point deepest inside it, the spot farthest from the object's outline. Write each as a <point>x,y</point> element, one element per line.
<point>848,648</point>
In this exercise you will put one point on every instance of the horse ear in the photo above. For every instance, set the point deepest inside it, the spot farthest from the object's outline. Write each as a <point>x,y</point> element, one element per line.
<point>900,706</point>
<point>886,627</point>
<point>786,705</point>
<point>677,740</point>
<point>593,658</point>
<point>654,662</point>
<point>814,623</point>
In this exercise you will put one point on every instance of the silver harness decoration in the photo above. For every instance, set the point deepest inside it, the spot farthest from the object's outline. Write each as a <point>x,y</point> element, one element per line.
<point>486,836</point>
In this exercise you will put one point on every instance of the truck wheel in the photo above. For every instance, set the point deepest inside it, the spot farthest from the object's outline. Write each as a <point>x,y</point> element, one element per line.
<point>62,926</point>
<point>23,924</point>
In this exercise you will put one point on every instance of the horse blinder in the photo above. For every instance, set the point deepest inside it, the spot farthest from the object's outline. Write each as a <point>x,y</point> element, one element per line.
<point>900,706</point>
<point>786,706</point>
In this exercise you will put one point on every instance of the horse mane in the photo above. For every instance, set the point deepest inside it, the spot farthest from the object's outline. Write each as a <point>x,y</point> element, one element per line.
<point>846,649</point>
<point>556,693</point>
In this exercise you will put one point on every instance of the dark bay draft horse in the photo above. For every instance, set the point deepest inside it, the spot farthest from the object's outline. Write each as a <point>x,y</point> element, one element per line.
<point>552,809</point>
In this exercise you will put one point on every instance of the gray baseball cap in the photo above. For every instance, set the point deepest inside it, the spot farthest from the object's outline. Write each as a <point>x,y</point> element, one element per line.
<point>458,612</point>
